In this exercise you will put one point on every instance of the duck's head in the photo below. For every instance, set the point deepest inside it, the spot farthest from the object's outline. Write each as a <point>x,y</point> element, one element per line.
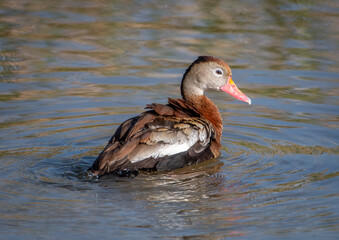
<point>209,73</point>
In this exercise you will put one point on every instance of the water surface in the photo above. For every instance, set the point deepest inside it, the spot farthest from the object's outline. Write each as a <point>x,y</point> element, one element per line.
<point>72,71</point>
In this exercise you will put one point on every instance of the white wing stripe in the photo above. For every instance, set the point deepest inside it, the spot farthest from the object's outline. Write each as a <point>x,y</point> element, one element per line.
<point>180,145</point>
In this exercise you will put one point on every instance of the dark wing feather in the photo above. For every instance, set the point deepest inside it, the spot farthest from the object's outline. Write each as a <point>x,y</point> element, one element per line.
<point>158,139</point>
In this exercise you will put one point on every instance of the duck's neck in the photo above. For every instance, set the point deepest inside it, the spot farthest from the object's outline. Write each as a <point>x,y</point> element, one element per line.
<point>208,110</point>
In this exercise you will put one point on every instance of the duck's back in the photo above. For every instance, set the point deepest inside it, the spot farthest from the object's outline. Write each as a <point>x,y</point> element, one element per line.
<point>164,138</point>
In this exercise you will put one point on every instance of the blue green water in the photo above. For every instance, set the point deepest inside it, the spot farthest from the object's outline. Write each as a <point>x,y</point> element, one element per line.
<point>72,71</point>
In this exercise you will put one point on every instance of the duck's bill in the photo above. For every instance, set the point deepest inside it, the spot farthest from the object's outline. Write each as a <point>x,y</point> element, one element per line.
<point>232,90</point>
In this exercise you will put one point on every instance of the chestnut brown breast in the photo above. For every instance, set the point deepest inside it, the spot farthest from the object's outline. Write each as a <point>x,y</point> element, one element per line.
<point>164,138</point>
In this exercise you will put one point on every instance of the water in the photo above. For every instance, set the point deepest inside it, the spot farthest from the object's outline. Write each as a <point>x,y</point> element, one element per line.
<point>72,71</point>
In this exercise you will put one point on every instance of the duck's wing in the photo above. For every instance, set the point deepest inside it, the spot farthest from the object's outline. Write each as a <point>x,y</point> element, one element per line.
<point>153,140</point>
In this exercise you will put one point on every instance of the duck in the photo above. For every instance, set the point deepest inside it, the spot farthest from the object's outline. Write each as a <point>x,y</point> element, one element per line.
<point>169,136</point>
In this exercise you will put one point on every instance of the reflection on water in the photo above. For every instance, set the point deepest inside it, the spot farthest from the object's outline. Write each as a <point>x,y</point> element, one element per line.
<point>72,71</point>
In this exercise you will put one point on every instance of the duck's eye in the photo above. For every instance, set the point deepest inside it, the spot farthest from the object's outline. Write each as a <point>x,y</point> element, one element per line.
<point>218,72</point>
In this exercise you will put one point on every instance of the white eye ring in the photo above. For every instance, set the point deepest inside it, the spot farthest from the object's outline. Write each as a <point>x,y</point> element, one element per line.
<point>218,72</point>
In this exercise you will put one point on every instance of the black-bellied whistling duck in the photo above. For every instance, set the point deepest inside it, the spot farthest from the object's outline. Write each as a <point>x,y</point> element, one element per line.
<point>180,133</point>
